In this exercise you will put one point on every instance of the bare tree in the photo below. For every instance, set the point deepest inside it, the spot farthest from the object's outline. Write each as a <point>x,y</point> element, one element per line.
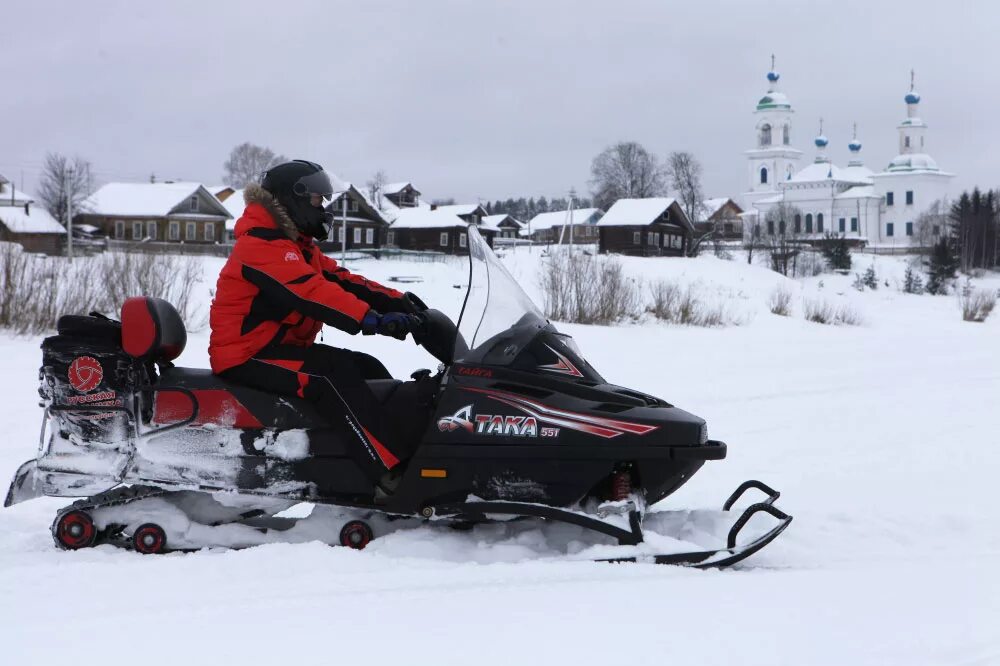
<point>247,162</point>
<point>376,188</point>
<point>64,180</point>
<point>685,179</point>
<point>930,225</point>
<point>626,170</point>
<point>780,237</point>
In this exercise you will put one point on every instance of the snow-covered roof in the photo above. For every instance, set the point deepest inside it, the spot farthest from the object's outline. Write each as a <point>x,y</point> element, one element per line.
<point>424,218</point>
<point>559,218</point>
<point>710,207</point>
<point>156,199</point>
<point>858,192</point>
<point>494,220</point>
<point>630,212</point>
<point>460,209</point>
<point>393,188</point>
<point>816,172</point>
<point>20,198</point>
<point>235,204</point>
<point>36,221</point>
<point>913,162</point>
<point>857,173</point>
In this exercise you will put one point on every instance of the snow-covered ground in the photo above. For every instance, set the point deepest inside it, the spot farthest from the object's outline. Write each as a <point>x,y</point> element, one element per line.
<point>882,438</point>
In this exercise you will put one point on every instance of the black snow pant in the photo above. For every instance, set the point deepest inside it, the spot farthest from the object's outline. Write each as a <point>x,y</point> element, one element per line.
<point>334,379</point>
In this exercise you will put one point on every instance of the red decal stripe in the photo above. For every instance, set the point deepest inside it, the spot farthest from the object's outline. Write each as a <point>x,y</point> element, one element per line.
<point>385,454</point>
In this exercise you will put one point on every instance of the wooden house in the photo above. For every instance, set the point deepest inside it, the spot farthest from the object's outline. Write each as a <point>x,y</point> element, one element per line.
<point>165,212</point>
<point>365,224</point>
<point>550,227</point>
<point>721,217</point>
<point>432,230</point>
<point>471,213</point>
<point>507,226</point>
<point>646,227</point>
<point>31,226</point>
<point>401,195</point>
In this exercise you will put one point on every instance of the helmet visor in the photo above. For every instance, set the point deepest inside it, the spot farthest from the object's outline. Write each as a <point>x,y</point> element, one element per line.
<point>314,183</point>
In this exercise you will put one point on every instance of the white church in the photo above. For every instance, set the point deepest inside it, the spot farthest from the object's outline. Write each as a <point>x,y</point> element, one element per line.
<point>873,208</point>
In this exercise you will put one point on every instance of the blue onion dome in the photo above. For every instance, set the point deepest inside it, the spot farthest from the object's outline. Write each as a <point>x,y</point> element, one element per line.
<point>912,97</point>
<point>854,146</point>
<point>773,76</point>
<point>821,141</point>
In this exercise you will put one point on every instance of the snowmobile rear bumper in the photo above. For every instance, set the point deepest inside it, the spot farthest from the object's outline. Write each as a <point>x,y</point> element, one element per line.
<point>31,482</point>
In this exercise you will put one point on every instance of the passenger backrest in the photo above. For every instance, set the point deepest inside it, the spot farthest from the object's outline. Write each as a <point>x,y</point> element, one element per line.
<point>152,329</point>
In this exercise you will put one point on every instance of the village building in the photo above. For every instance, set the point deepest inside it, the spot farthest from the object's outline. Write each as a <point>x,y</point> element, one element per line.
<point>400,195</point>
<point>471,213</point>
<point>507,226</point>
<point>646,227</point>
<point>423,229</point>
<point>721,217</point>
<point>880,209</point>
<point>165,212</point>
<point>553,226</point>
<point>365,225</point>
<point>31,226</point>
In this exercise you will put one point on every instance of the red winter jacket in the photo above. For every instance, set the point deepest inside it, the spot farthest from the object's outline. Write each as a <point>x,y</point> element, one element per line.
<point>274,289</point>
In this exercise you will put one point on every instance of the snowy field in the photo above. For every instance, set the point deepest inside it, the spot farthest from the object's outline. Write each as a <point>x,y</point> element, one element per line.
<point>882,438</point>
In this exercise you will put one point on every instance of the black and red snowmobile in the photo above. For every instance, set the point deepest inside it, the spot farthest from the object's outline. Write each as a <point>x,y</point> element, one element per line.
<point>523,429</point>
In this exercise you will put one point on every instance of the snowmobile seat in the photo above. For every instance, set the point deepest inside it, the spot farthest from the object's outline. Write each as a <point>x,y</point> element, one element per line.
<point>229,404</point>
<point>152,330</point>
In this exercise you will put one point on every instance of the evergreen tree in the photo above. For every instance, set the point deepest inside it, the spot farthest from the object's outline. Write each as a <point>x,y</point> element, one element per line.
<point>542,205</point>
<point>942,268</point>
<point>870,280</point>
<point>837,252</point>
<point>912,284</point>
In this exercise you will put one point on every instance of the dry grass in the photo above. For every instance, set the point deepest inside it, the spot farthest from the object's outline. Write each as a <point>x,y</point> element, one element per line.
<point>37,290</point>
<point>823,312</point>
<point>586,289</point>
<point>977,304</point>
<point>780,301</point>
<point>678,305</point>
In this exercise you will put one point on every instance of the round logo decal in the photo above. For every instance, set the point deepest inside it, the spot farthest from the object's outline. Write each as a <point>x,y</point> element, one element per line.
<point>85,373</point>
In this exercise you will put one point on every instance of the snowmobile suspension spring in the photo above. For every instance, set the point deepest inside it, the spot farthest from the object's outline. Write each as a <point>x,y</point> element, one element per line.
<point>621,485</point>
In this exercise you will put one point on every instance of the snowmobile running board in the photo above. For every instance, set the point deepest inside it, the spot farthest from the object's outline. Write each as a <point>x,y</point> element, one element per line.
<point>705,559</point>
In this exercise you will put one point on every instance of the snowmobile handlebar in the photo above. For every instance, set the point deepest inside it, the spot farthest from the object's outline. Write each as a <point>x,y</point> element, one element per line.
<point>439,336</point>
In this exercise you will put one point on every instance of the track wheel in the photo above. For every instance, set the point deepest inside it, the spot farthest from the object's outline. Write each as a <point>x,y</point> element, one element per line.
<point>356,534</point>
<point>73,530</point>
<point>149,539</point>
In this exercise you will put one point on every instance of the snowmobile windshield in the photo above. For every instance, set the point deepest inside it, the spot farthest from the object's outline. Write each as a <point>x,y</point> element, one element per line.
<point>497,316</point>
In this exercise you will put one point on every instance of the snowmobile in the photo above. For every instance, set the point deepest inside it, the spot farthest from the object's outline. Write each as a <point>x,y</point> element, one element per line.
<point>523,428</point>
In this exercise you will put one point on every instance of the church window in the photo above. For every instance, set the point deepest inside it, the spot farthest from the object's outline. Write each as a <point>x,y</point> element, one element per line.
<point>809,223</point>
<point>936,230</point>
<point>763,175</point>
<point>906,141</point>
<point>765,135</point>
<point>798,223</point>
<point>819,223</point>
<point>788,173</point>
<point>770,227</point>
<point>785,138</point>
<point>909,197</point>
<point>781,227</point>
<point>842,225</point>
<point>909,228</point>
<point>889,229</point>
<point>888,198</point>
<point>854,224</point>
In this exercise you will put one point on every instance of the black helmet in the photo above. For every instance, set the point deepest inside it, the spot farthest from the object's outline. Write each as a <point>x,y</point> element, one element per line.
<point>293,184</point>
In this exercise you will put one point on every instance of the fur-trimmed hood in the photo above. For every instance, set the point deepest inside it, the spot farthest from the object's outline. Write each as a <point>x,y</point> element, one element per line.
<point>255,194</point>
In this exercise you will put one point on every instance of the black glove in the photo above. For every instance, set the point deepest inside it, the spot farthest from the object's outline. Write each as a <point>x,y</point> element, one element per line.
<point>393,324</point>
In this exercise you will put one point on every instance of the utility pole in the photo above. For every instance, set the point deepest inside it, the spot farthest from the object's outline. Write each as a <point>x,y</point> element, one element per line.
<point>343,231</point>
<point>572,199</point>
<point>67,183</point>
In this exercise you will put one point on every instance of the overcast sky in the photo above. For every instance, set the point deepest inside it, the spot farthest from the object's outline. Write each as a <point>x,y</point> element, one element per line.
<point>484,99</point>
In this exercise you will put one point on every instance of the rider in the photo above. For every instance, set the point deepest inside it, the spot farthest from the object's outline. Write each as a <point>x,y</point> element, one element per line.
<point>273,296</point>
